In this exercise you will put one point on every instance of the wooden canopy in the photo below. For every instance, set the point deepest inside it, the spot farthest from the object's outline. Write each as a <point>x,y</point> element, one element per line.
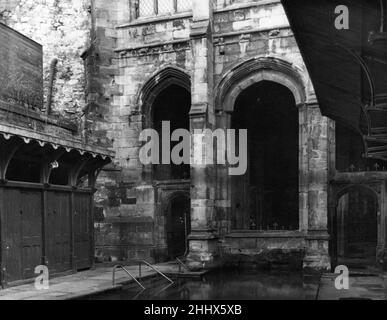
<point>46,206</point>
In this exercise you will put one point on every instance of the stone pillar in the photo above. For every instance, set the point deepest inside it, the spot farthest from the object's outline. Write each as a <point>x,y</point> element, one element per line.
<point>223,182</point>
<point>317,238</point>
<point>203,240</point>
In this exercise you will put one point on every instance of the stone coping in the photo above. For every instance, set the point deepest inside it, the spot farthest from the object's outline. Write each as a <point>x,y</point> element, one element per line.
<point>56,120</point>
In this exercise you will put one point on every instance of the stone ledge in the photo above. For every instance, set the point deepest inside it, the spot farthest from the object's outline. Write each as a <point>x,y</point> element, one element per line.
<point>266,234</point>
<point>156,19</point>
<point>152,45</point>
<point>29,113</point>
<point>251,31</point>
<point>115,220</point>
<point>246,5</point>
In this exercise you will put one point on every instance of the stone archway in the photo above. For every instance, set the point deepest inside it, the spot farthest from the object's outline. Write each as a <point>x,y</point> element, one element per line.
<point>267,110</point>
<point>253,71</point>
<point>268,70</point>
<point>313,158</point>
<point>166,96</point>
<point>158,83</point>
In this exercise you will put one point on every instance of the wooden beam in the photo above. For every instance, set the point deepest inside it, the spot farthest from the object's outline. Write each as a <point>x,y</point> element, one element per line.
<point>7,151</point>
<point>46,165</point>
<point>76,170</point>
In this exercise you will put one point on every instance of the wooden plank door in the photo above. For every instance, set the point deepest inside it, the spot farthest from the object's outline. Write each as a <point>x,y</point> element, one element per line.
<point>12,236</point>
<point>178,226</point>
<point>23,233</point>
<point>58,232</point>
<point>31,224</point>
<point>82,231</point>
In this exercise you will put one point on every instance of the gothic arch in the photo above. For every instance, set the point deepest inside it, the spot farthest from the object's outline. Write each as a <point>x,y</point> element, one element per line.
<point>255,70</point>
<point>341,192</point>
<point>172,196</point>
<point>156,84</point>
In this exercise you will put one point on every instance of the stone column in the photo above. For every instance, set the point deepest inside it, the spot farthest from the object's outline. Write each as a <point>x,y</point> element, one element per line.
<point>203,240</point>
<point>223,182</point>
<point>317,238</point>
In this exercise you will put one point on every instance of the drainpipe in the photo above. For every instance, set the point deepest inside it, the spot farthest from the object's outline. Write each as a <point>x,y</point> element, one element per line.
<point>53,71</point>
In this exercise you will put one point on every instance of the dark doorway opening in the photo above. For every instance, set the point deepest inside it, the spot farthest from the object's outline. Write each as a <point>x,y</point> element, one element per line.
<point>178,226</point>
<point>267,196</point>
<point>357,231</point>
<point>172,104</point>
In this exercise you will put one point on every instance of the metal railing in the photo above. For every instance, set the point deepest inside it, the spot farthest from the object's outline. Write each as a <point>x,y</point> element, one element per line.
<point>127,272</point>
<point>154,268</point>
<point>182,264</point>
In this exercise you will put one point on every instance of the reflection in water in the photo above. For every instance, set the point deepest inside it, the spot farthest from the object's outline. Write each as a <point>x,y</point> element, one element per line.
<point>234,285</point>
<point>226,285</point>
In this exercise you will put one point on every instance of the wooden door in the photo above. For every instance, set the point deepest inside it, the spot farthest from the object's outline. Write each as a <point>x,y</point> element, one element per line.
<point>356,230</point>
<point>58,232</point>
<point>23,233</point>
<point>178,226</point>
<point>31,216</point>
<point>82,231</point>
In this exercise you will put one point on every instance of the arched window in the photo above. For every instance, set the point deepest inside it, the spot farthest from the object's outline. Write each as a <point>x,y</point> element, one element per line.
<point>171,105</point>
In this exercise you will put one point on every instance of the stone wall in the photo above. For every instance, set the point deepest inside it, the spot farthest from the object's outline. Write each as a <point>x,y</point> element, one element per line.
<point>126,55</point>
<point>63,29</point>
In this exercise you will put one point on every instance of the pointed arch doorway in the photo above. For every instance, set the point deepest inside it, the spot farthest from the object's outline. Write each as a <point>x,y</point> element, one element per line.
<point>357,227</point>
<point>178,225</point>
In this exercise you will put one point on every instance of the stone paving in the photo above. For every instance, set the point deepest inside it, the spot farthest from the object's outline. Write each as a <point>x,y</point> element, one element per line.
<point>75,285</point>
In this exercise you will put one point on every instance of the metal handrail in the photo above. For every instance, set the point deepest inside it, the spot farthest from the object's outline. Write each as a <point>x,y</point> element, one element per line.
<point>182,264</point>
<point>127,272</point>
<point>154,268</point>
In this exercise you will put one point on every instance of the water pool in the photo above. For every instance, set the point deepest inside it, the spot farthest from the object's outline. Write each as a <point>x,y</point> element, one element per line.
<point>225,285</point>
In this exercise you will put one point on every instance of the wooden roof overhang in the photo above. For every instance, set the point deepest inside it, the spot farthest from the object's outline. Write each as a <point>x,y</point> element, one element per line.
<point>348,68</point>
<point>48,160</point>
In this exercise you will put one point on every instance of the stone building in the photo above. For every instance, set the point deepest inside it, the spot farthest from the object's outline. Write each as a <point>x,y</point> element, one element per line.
<point>309,197</point>
<point>209,64</point>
